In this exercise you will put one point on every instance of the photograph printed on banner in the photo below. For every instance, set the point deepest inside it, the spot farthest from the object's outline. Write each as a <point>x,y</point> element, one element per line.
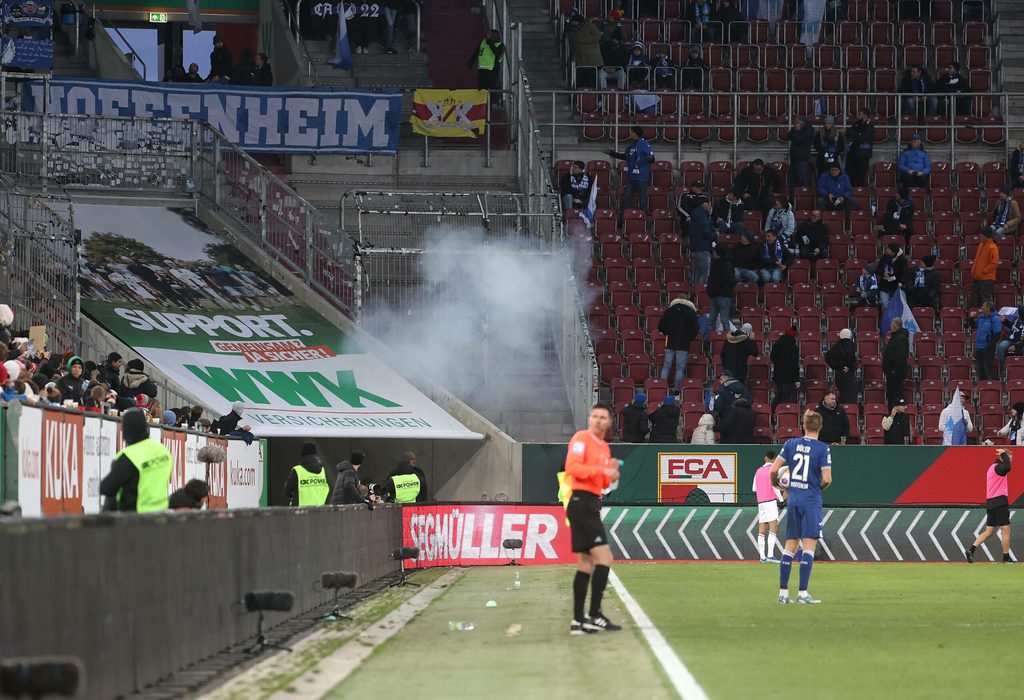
<point>194,269</point>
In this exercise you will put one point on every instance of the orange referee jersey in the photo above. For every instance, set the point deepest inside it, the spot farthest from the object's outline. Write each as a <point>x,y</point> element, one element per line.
<point>586,461</point>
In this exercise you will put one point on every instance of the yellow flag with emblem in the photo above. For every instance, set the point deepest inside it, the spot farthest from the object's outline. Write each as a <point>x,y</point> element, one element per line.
<point>449,113</point>
<point>564,490</point>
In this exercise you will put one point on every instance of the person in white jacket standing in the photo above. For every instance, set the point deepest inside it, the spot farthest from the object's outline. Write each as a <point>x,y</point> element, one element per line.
<point>1012,429</point>
<point>948,417</point>
<point>704,433</point>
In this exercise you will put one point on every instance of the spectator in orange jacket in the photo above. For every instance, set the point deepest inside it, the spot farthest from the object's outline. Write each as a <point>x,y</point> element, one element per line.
<point>984,269</point>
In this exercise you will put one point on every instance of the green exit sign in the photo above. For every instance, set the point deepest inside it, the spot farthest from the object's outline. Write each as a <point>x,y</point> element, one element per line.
<point>158,17</point>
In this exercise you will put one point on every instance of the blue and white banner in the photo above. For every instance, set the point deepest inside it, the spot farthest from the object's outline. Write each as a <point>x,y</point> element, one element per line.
<point>26,53</point>
<point>267,120</point>
<point>26,13</point>
<point>900,308</point>
<point>342,48</point>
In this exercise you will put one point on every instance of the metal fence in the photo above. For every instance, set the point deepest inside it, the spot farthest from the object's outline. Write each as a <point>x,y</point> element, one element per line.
<point>735,120</point>
<point>39,265</point>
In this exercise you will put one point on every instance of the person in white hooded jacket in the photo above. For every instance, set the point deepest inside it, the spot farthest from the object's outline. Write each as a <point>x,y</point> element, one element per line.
<point>946,418</point>
<point>704,433</point>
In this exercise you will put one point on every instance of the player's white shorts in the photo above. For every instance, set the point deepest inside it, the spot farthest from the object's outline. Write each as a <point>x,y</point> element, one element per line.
<point>767,512</point>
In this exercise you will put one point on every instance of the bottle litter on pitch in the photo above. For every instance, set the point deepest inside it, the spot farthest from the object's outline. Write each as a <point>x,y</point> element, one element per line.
<point>460,626</point>
<point>517,582</point>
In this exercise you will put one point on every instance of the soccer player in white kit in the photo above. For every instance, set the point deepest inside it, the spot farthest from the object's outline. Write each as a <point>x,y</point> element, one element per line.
<point>767,510</point>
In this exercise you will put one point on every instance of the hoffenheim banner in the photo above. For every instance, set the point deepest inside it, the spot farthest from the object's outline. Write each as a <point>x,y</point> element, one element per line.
<point>256,119</point>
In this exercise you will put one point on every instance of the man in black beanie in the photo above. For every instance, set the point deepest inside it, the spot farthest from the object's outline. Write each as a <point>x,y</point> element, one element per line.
<point>307,481</point>
<point>923,284</point>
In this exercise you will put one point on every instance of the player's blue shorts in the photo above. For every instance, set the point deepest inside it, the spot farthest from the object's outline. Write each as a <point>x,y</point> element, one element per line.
<point>803,520</point>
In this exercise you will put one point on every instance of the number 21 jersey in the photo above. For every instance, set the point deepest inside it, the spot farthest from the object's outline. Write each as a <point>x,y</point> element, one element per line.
<point>806,457</point>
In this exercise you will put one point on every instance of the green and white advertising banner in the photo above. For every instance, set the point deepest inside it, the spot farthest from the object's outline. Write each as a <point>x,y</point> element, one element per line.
<point>189,304</point>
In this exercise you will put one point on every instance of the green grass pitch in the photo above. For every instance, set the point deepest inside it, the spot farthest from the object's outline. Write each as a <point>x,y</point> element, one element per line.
<point>883,631</point>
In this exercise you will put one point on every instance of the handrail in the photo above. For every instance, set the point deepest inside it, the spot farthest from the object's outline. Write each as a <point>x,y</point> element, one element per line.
<point>109,24</point>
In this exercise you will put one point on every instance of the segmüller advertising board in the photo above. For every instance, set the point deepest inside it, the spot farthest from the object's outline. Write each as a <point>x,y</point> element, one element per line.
<point>195,308</point>
<point>63,456</point>
<point>472,535</point>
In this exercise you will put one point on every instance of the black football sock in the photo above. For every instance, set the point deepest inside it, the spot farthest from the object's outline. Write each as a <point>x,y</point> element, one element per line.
<point>597,588</point>
<point>579,594</point>
<point>1006,557</point>
<point>973,548</point>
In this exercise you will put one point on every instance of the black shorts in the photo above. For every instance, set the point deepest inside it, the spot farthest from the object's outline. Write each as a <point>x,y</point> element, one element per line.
<point>998,516</point>
<point>584,513</point>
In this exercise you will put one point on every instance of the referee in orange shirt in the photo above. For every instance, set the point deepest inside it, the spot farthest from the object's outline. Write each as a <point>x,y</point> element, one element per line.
<point>591,468</point>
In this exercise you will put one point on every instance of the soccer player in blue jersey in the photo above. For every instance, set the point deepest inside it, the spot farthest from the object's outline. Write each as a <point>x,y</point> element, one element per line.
<point>810,470</point>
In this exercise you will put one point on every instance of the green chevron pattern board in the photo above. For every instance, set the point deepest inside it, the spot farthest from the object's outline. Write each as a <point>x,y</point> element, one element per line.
<point>728,532</point>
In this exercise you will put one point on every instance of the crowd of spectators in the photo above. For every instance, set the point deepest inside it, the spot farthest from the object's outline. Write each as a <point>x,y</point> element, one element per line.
<point>65,380</point>
<point>249,70</point>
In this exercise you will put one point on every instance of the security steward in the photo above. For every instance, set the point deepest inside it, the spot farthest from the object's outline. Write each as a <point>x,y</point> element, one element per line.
<point>307,481</point>
<point>140,475</point>
<point>406,484</point>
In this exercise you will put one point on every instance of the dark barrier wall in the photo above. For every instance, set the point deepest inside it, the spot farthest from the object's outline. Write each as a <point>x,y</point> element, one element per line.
<point>916,474</point>
<point>140,597</point>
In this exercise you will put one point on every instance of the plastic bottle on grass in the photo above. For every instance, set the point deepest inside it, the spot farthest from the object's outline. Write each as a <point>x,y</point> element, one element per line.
<point>517,582</point>
<point>460,626</point>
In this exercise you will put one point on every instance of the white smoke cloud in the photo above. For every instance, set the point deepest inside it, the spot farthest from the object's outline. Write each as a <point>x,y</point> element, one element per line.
<point>480,320</point>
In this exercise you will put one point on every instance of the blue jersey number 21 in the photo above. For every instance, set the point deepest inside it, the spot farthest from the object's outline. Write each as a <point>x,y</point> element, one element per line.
<point>800,469</point>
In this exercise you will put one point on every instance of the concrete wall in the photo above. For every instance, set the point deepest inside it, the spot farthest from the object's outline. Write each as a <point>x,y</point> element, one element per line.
<point>459,470</point>
<point>107,59</point>
<point>138,598</point>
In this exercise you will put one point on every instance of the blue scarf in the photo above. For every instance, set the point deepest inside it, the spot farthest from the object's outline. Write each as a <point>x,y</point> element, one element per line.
<point>867,284</point>
<point>919,278</point>
<point>702,13</point>
<point>770,256</point>
<point>1002,213</point>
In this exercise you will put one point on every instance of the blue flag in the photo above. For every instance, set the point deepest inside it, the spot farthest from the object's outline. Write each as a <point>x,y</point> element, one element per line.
<point>590,212</point>
<point>342,52</point>
<point>899,308</point>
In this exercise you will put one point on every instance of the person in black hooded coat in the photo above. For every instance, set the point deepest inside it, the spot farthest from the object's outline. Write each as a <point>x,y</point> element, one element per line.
<point>665,421</point>
<point>737,426</point>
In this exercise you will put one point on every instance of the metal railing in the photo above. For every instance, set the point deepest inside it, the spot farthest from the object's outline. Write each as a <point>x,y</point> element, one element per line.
<point>98,14</point>
<point>39,265</point>
<point>174,157</point>
<point>735,119</point>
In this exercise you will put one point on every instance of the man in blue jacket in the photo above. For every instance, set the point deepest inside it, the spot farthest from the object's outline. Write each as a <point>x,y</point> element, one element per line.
<point>835,191</point>
<point>915,165</point>
<point>638,156</point>
<point>702,235</point>
<point>990,327</point>
<point>916,88</point>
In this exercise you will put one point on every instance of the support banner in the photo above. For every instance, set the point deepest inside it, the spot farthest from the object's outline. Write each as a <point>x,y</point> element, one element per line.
<point>187,302</point>
<point>257,119</point>
<point>449,113</point>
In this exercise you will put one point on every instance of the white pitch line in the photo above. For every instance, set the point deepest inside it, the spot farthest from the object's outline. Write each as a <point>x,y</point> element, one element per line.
<point>636,533</point>
<point>863,534</point>
<point>913,542</point>
<point>682,527</point>
<point>657,533</point>
<point>885,534</point>
<point>704,533</point>
<point>682,680</point>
